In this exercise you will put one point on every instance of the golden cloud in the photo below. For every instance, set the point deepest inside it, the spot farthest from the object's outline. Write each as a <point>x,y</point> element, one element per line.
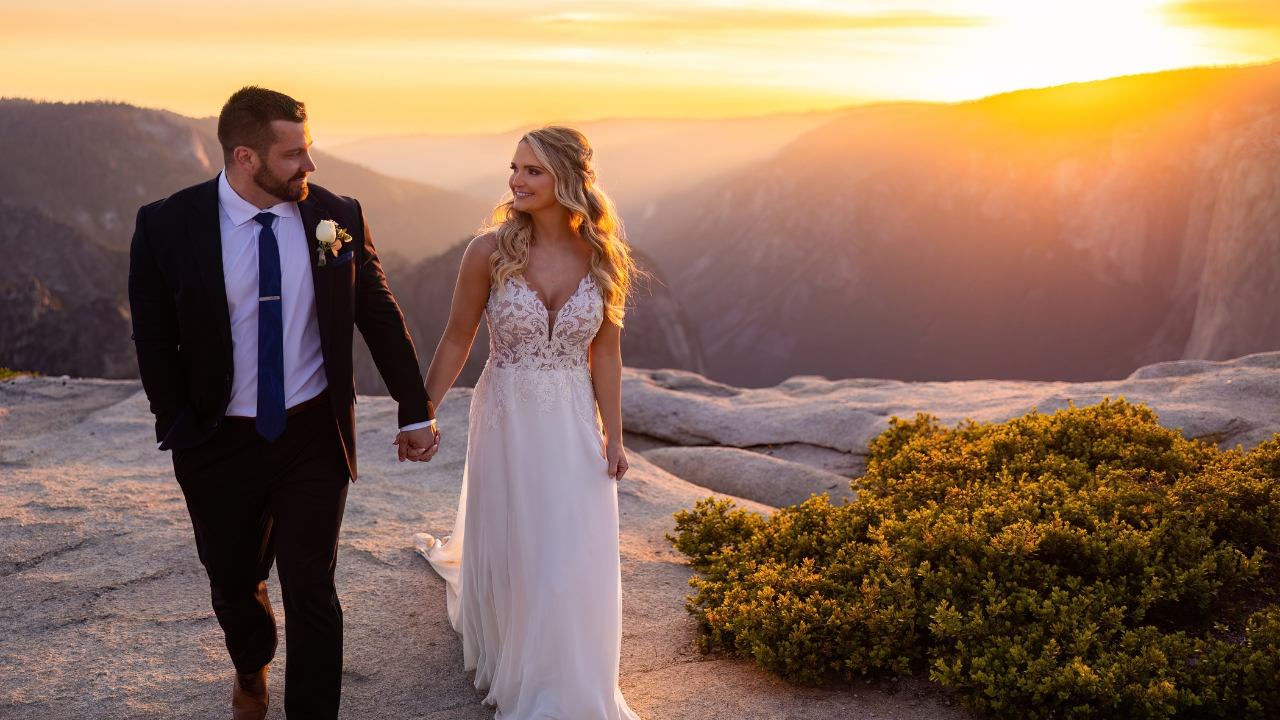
<point>1228,14</point>
<point>739,19</point>
<point>644,23</point>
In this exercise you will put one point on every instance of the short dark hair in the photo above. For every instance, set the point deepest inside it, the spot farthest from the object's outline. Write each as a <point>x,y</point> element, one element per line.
<point>247,116</point>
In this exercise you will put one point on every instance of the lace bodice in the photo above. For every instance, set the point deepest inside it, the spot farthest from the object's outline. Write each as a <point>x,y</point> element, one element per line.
<point>523,336</point>
<point>531,357</point>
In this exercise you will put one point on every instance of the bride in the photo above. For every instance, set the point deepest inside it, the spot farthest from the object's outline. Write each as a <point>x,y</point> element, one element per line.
<point>534,583</point>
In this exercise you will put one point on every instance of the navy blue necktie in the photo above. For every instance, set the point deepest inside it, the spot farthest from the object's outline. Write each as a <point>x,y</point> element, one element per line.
<point>271,411</point>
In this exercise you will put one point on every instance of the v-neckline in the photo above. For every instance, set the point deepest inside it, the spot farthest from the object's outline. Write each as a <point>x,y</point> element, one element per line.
<point>553,315</point>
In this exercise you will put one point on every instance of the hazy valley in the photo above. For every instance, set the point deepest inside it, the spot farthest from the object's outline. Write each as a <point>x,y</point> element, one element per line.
<point>1072,233</point>
<point>640,161</point>
<point>77,174</point>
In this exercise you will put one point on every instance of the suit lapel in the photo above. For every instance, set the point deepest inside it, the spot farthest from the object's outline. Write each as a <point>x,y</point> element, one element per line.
<point>206,241</point>
<point>321,277</point>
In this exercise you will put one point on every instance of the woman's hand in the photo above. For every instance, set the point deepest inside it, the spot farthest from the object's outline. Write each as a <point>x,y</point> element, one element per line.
<point>606,378</point>
<point>617,458</point>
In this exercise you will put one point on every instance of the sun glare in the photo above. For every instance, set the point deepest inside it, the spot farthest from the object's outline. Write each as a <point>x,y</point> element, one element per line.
<point>1050,42</point>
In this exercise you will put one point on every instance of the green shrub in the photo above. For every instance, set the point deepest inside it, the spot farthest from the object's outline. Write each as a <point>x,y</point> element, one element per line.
<point>6,373</point>
<point>1085,564</point>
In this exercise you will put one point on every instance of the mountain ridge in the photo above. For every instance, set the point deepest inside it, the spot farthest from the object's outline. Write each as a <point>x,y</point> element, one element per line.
<point>141,155</point>
<point>639,159</point>
<point>1055,234</point>
<point>65,309</point>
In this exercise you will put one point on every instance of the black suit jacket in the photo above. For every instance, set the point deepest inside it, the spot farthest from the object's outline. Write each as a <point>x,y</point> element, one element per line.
<point>182,324</point>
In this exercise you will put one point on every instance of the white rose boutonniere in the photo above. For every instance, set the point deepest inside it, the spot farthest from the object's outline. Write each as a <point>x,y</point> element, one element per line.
<point>330,237</point>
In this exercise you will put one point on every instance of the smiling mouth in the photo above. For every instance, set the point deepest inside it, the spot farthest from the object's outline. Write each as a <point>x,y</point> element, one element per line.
<point>523,194</point>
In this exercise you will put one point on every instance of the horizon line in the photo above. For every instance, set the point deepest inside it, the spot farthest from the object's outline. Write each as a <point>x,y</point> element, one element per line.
<point>833,109</point>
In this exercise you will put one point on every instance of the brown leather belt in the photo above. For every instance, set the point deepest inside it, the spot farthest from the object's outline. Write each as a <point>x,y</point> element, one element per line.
<point>321,399</point>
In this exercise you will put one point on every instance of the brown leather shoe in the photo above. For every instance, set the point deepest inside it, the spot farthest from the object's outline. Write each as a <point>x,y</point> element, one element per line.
<point>249,699</point>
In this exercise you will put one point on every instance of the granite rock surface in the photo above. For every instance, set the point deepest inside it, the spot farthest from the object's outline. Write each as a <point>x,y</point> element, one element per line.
<point>826,424</point>
<point>742,473</point>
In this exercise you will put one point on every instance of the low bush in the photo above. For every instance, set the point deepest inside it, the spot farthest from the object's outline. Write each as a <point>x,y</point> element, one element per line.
<point>7,374</point>
<point>1085,564</point>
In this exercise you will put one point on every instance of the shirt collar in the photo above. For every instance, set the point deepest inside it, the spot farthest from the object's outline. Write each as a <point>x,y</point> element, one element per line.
<point>242,211</point>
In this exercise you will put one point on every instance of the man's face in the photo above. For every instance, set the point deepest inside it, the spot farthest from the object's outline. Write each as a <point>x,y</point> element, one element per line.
<point>288,162</point>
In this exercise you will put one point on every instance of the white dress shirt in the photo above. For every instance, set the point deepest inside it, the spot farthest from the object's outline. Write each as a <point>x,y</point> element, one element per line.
<point>304,376</point>
<point>303,362</point>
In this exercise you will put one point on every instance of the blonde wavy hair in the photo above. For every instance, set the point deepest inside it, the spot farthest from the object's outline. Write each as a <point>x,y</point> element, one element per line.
<point>567,155</point>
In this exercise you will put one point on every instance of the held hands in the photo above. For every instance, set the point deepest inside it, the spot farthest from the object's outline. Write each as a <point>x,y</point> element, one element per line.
<point>617,459</point>
<point>417,445</point>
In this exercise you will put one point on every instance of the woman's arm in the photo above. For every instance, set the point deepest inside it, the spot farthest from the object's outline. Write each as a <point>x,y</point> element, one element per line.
<point>606,377</point>
<point>469,298</point>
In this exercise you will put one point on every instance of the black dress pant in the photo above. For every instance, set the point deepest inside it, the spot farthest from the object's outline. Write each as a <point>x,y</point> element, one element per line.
<point>253,502</point>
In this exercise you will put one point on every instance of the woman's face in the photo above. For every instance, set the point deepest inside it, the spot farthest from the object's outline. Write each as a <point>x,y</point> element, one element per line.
<point>531,184</point>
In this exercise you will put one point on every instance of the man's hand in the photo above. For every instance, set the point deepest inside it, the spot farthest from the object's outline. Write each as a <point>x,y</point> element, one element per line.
<point>417,445</point>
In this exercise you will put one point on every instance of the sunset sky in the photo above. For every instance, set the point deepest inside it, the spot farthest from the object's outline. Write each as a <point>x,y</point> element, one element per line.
<point>455,66</point>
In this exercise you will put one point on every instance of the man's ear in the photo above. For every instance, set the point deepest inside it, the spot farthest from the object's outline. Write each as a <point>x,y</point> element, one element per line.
<point>245,157</point>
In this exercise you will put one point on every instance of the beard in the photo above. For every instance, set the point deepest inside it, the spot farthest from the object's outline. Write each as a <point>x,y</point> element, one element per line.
<point>283,189</point>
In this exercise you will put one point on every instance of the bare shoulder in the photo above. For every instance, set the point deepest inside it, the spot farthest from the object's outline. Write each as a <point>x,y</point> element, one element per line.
<point>476,261</point>
<point>484,245</point>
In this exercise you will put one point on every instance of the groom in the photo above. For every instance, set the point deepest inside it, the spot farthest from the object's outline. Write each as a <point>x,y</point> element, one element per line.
<point>243,319</point>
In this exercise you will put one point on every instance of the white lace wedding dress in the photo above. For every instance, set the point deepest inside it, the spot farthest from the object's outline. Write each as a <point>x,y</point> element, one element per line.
<point>534,584</point>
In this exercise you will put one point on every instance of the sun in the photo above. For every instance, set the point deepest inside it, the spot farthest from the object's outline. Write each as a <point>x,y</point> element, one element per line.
<point>1039,43</point>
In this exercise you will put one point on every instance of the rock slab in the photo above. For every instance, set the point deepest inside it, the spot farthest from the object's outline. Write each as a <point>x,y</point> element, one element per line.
<point>827,424</point>
<point>741,473</point>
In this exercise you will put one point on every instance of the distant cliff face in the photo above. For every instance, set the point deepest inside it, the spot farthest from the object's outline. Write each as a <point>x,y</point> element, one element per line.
<point>657,332</point>
<point>1238,303</point>
<point>72,178</point>
<point>91,166</point>
<point>62,309</point>
<point>1073,233</point>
